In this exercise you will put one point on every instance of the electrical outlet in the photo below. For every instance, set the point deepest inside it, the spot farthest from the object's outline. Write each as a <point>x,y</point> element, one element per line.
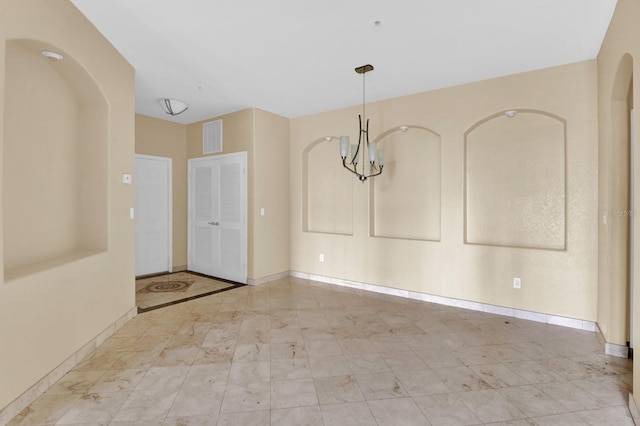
<point>321,257</point>
<point>517,283</point>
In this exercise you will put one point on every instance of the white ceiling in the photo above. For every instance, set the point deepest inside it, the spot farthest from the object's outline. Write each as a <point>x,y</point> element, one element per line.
<point>297,57</point>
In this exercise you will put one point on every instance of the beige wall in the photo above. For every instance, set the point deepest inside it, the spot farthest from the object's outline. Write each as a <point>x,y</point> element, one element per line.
<point>60,301</point>
<point>515,181</point>
<point>271,191</point>
<point>166,139</point>
<point>617,66</point>
<point>237,136</point>
<point>265,138</point>
<point>558,282</point>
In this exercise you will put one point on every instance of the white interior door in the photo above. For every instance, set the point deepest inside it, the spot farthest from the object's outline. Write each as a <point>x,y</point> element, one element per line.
<point>218,216</point>
<point>153,214</point>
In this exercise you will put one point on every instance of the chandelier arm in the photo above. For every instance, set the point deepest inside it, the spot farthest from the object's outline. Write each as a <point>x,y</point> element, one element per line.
<point>354,171</point>
<point>361,176</point>
<point>366,137</point>
<point>375,174</point>
<point>355,156</point>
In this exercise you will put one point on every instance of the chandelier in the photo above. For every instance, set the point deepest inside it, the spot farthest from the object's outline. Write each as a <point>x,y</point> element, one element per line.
<point>351,158</point>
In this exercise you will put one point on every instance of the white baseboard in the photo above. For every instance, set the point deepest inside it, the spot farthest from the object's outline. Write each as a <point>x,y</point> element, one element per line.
<point>458,303</point>
<point>633,409</point>
<point>31,394</point>
<point>619,351</point>
<point>269,278</point>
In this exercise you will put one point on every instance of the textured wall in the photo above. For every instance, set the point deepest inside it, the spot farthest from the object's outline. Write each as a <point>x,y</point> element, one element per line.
<point>618,69</point>
<point>166,139</point>
<point>515,180</point>
<point>271,193</point>
<point>326,179</point>
<point>52,309</point>
<point>424,247</point>
<point>396,212</point>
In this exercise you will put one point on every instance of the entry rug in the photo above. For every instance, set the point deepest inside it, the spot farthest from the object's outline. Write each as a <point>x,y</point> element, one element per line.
<point>167,286</point>
<point>166,290</point>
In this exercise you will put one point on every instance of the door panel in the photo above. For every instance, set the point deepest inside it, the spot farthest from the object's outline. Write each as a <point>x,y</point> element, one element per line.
<point>217,216</point>
<point>153,214</point>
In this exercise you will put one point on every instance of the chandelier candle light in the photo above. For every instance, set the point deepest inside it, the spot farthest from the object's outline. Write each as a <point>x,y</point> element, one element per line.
<point>363,139</point>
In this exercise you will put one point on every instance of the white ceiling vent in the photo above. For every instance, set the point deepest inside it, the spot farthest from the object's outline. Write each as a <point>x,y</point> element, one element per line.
<point>212,137</point>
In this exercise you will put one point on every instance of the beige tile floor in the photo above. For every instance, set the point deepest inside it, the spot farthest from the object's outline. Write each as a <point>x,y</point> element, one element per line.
<point>296,352</point>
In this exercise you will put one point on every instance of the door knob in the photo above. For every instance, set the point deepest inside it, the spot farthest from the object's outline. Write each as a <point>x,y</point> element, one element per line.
<point>213,223</point>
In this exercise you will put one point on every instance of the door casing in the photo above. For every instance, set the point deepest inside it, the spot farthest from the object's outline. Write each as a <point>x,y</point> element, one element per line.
<point>195,224</point>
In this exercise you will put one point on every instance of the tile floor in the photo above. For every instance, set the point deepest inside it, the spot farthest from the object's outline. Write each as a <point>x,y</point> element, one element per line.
<point>296,352</point>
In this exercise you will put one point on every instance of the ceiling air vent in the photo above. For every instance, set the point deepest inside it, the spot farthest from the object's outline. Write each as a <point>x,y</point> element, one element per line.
<point>212,137</point>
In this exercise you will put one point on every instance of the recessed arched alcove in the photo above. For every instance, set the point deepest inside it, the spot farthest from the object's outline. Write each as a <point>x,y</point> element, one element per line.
<point>54,161</point>
<point>515,180</point>
<point>405,198</point>
<point>327,192</point>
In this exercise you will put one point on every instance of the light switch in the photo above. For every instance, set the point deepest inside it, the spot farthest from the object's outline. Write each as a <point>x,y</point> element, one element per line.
<point>261,211</point>
<point>131,213</point>
<point>126,178</point>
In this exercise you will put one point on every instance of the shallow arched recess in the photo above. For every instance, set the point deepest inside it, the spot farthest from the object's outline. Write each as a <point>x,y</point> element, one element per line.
<point>405,198</point>
<point>515,181</point>
<point>54,163</point>
<point>327,189</point>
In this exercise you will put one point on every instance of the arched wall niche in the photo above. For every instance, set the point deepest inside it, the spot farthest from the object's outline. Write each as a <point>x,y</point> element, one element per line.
<point>405,200</point>
<point>55,161</point>
<point>327,192</point>
<point>515,181</point>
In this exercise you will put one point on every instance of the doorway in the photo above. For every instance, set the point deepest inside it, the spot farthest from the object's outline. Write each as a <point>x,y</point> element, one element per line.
<point>217,224</point>
<point>153,206</point>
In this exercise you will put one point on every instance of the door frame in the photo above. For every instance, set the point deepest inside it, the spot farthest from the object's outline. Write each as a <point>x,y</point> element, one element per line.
<point>169,162</point>
<point>190,205</point>
<point>632,211</point>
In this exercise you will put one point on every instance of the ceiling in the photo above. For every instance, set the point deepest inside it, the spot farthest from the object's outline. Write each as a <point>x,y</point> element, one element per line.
<point>296,58</point>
